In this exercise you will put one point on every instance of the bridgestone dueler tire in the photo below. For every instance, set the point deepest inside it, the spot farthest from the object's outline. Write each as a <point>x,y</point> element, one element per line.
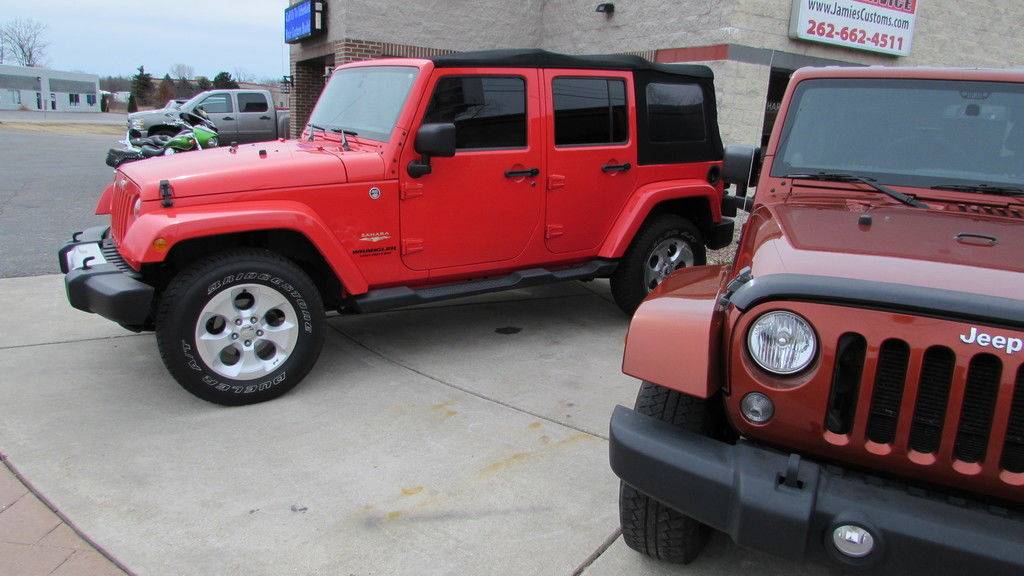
<point>648,526</point>
<point>627,282</point>
<point>187,294</point>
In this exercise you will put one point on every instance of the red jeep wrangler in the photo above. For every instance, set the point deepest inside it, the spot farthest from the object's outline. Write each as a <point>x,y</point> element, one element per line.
<point>851,388</point>
<point>415,181</point>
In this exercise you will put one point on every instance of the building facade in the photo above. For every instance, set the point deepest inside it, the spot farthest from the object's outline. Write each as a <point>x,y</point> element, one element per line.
<point>25,88</point>
<point>753,46</point>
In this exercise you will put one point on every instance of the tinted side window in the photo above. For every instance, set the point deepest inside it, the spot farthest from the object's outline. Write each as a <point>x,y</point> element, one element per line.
<point>217,103</point>
<point>590,111</point>
<point>251,102</point>
<point>675,113</point>
<point>488,111</point>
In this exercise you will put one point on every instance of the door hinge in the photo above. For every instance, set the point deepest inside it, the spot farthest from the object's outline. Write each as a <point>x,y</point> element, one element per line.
<point>555,181</point>
<point>554,231</point>
<point>411,190</point>
<point>412,246</point>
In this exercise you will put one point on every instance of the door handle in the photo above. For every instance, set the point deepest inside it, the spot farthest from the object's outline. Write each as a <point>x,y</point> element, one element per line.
<point>528,173</point>
<point>616,167</point>
<point>227,118</point>
<point>264,117</point>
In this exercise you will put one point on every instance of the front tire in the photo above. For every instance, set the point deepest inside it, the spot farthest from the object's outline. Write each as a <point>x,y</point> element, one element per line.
<point>648,526</point>
<point>665,244</point>
<point>240,327</point>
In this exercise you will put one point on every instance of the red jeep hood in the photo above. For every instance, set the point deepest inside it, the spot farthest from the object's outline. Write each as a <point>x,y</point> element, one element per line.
<point>902,245</point>
<point>260,166</point>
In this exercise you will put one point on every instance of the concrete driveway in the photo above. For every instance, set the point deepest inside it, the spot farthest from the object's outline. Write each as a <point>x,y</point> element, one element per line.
<point>424,442</point>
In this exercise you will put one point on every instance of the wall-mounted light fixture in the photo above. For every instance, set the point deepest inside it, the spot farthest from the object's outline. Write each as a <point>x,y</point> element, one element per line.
<point>606,8</point>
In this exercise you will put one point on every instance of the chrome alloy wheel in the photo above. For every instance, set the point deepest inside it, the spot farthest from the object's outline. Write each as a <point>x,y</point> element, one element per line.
<point>667,256</point>
<point>246,331</point>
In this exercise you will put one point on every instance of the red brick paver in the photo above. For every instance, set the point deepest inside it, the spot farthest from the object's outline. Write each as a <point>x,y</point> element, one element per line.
<point>36,542</point>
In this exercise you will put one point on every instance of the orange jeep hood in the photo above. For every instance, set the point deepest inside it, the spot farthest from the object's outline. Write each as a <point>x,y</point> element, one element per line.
<point>902,245</point>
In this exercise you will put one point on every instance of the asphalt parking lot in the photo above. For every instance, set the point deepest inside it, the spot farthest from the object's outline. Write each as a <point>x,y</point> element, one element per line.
<point>49,189</point>
<point>425,441</point>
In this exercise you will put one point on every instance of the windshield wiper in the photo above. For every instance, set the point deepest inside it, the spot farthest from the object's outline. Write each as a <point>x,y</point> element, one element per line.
<point>982,188</point>
<point>345,133</point>
<point>841,177</point>
<point>313,127</point>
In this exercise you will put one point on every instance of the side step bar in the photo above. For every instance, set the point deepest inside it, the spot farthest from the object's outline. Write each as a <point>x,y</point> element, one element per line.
<point>386,298</point>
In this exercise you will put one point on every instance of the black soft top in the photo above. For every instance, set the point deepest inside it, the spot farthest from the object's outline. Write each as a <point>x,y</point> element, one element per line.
<point>534,58</point>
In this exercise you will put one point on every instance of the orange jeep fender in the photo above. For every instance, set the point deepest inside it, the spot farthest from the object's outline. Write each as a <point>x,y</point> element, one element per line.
<point>177,224</point>
<point>640,204</point>
<point>675,337</point>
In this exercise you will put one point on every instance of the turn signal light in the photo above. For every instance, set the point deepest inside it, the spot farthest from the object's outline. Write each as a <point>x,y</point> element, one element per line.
<point>160,244</point>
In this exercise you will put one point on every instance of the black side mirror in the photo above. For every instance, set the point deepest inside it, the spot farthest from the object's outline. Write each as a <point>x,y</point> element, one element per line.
<point>432,140</point>
<point>742,167</point>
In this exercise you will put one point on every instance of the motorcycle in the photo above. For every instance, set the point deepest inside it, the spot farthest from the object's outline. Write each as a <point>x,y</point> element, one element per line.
<point>197,132</point>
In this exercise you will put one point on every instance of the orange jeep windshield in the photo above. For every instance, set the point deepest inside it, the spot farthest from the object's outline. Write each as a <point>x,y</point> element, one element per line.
<point>921,133</point>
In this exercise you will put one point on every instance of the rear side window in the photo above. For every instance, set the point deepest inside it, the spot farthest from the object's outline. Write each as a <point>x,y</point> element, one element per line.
<point>590,111</point>
<point>252,102</point>
<point>488,111</point>
<point>217,103</point>
<point>675,113</point>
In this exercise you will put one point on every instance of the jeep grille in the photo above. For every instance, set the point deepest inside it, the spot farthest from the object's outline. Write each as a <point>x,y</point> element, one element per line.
<point>933,390</point>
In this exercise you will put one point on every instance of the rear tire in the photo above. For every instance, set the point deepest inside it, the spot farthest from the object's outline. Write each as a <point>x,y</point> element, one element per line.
<point>648,526</point>
<point>666,243</point>
<point>240,327</point>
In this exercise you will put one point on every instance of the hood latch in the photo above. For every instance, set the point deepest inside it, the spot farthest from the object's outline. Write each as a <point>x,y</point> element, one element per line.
<point>166,194</point>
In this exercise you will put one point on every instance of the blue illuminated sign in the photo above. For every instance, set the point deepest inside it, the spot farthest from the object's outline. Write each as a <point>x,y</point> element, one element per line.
<point>303,20</point>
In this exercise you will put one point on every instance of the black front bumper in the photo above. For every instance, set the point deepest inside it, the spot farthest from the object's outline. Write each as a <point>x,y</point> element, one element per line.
<point>111,289</point>
<point>742,490</point>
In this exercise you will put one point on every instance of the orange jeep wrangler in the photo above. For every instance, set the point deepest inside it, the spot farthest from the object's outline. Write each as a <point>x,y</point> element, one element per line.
<point>851,389</point>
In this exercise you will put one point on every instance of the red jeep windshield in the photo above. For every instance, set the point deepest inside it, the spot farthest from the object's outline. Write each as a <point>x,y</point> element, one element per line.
<point>364,101</point>
<point>920,133</point>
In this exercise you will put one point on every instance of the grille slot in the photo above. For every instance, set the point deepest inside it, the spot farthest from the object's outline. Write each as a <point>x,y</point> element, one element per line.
<point>976,412</point>
<point>932,397</point>
<point>887,394</point>
<point>1013,450</point>
<point>842,399</point>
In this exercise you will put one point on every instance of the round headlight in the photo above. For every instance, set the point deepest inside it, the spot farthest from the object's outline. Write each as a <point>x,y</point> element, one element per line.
<point>137,207</point>
<point>782,342</point>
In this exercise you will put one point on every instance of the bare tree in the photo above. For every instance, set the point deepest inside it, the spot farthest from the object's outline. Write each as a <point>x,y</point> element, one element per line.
<point>24,42</point>
<point>243,75</point>
<point>182,72</point>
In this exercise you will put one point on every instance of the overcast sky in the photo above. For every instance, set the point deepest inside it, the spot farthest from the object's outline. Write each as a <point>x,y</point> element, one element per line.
<point>112,37</point>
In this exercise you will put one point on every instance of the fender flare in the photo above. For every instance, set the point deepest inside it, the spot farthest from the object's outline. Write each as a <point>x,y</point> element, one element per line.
<point>178,224</point>
<point>675,336</point>
<point>640,204</point>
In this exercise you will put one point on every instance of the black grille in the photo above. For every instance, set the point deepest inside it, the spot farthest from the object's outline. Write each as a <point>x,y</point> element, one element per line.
<point>1013,450</point>
<point>979,402</point>
<point>842,400</point>
<point>932,396</point>
<point>887,393</point>
<point>109,249</point>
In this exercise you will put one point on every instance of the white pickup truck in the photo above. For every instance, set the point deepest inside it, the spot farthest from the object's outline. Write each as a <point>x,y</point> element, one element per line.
<point>240,115</point>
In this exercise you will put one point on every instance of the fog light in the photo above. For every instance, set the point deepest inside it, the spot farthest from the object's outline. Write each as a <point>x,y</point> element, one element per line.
<point>853,541</point>
<point>757,408</point>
